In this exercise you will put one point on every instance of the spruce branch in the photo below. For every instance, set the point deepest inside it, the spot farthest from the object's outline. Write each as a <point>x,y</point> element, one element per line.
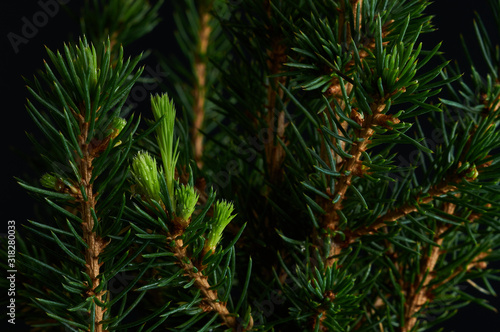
<point>335,88</point>
<point>418,293</point>
<point>448,185</point>
<point>80,115</point>
<point>194,268</point>
<point>174,227</point>
<point>367,111</point>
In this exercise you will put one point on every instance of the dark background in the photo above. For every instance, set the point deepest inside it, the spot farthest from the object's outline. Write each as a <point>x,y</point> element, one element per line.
<point>452,19</point>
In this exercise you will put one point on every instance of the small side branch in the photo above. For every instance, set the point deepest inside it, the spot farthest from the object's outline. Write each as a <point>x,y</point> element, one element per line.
<point>421,291</point>
<point>418,293</point>
<point>400,212</point>
<point>211,300</point>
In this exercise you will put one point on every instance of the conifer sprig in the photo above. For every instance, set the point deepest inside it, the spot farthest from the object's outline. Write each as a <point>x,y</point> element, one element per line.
<point>79,100</point>
<point>178,237</point>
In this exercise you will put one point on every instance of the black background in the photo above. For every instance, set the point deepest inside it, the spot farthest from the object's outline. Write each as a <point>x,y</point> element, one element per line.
<point>452,19</point>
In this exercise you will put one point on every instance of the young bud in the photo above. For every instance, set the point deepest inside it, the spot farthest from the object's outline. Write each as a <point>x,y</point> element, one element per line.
<point>50,181</point>
<point>222,217</point>
<point>473,173</point>
<point>186,201</point>
<point>145,173</point>
<point>116,127</point>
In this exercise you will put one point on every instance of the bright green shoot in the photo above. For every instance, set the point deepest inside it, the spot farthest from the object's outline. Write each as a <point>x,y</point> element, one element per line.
<point>145,173</point>
<point>164,111</point>
<point>222,217</point>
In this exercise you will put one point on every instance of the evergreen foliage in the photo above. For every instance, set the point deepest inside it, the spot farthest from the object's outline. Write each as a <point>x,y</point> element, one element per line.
<point>265,193</point>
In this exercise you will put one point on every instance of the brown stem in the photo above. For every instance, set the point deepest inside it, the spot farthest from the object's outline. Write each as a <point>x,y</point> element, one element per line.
<point>211,300</point>
<point>393,215</point>
<point>354,5</point>
<point>275,155</point>
<point>335,88</point>
<point>113,41</point>
<point>350,168</point>
<point>418,293</point>
<point>95,243</point>
<point>478,263</point>
<point>199,92</point>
